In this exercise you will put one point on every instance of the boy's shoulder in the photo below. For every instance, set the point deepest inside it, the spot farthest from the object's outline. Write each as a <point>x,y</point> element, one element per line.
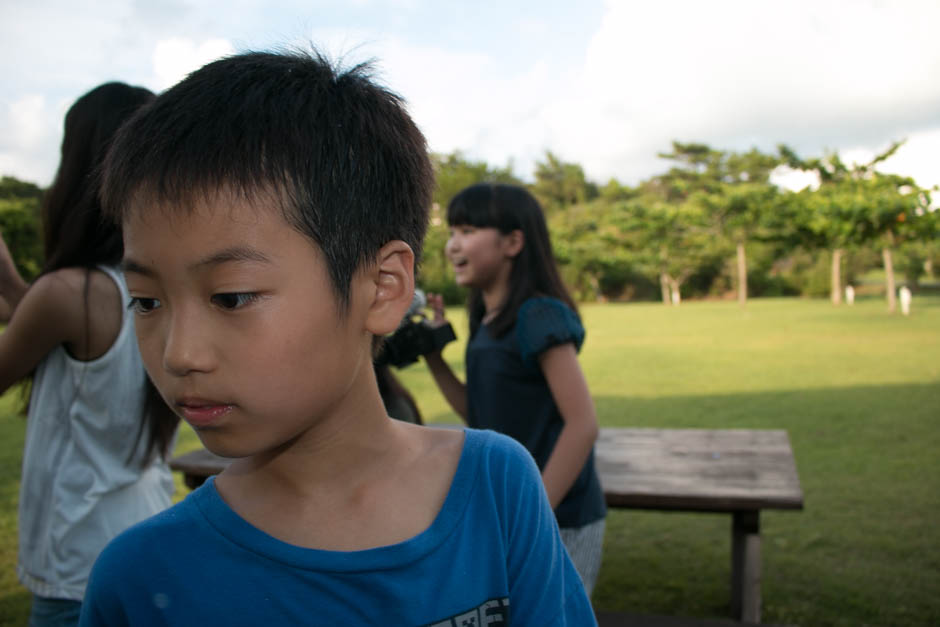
<point>155,534</point>
<point>502,463</point>
<point>488,452</point>
<point>495,448</point>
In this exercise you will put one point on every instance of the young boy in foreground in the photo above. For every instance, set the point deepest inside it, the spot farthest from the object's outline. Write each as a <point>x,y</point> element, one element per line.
<point>272,211</point>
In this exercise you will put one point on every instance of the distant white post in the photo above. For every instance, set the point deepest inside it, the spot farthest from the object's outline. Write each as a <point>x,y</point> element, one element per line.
<point>849,295</point>
<point>904,295</point>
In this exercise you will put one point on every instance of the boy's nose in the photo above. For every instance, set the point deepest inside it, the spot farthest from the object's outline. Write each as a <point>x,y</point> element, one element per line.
<point>187,348</point>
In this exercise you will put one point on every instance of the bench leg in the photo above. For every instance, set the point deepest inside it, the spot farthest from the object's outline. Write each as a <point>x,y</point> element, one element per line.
<point>745,566</point>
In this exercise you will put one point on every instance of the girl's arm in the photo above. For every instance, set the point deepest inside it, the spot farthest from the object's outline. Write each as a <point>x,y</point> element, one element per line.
<point>451,387</point>
<point>12,285</point>
<point>454,391</point>
<point>50,313</point>
<point>570,391</point>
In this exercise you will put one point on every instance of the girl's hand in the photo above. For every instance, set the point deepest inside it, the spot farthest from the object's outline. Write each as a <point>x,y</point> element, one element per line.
<point>453,389</point>
<point>436,303</point>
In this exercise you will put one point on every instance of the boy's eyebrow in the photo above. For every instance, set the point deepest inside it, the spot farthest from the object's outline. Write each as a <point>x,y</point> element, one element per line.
<point>129,265</point>
<point>234,253</point>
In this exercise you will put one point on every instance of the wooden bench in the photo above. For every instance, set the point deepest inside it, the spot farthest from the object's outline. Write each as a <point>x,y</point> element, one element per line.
<point>732,471</point>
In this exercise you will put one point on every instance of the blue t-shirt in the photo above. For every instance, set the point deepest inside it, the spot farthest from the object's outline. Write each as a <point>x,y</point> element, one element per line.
<point>493,555</point>
<point>507,392</point>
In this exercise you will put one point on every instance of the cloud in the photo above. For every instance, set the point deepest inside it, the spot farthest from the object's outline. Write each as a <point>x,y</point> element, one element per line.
<point>461,100</point>
<point>916,158</point>
<point>794,180</point>
<point>25,117</point>
<point>512,83</point>
<point>26,138</point>
<point>738,74</point>
<point>174,58</point>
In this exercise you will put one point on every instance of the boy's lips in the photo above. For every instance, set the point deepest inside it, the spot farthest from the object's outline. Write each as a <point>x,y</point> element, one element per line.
<point>200,412</point>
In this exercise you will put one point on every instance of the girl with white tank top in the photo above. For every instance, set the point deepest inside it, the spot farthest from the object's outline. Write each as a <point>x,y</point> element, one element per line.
<point>97,435</point>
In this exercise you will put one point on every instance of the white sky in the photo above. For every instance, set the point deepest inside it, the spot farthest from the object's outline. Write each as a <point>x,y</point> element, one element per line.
<point>606,84</point>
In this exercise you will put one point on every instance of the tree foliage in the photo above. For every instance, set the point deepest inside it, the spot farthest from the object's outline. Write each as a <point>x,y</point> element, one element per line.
<point>559,185</point>
<point>20,224</point>
<point>711,222</point>
<point>857,206</point>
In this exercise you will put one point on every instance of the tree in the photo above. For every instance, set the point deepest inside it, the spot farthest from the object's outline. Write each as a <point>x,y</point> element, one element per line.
<point>559,185</point>
<point>732,190</point>
<point>672,241</point>
<point>858,205</point>
<point>454,172</point>
<point>594,246</point>
<point>20,224</point>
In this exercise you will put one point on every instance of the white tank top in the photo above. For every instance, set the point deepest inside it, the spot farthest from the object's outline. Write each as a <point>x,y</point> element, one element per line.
<point>78,489</point>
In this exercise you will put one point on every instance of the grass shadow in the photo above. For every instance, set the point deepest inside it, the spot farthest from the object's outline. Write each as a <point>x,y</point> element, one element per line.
<point>870,474</point>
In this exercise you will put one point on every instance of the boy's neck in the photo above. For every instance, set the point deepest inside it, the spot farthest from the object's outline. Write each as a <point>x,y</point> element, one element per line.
<point>379,483</point>
<point>332,452</point>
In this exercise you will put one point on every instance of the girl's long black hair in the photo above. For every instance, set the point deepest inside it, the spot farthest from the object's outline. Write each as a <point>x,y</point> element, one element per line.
<point>534,271</point>
<point>75,231</point>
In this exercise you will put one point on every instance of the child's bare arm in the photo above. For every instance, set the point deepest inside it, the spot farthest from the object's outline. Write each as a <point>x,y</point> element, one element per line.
<point>12,285</point>
<point>454,390</point>
<point>6,310</point>
<point>451,387</point>
<point>45,317</point>
<point>570,392</point>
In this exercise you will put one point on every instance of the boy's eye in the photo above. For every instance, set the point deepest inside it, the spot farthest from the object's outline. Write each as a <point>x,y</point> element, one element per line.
<point>140,305</point>
<point>233,300</point>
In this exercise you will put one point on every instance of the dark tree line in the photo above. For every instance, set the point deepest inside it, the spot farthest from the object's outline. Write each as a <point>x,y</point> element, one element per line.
<point>713,224</point>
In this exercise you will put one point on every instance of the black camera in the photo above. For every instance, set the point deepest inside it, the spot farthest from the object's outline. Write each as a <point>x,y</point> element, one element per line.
<point>414,337</point>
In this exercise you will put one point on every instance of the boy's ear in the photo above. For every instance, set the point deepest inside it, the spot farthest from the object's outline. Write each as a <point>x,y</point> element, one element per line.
<point>513,242</point>
<point>394,287</point>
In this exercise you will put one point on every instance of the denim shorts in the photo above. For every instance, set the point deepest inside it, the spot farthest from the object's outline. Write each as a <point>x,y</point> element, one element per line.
<point>49,612</point>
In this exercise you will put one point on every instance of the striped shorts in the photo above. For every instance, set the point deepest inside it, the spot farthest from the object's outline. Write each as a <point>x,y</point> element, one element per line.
<point>585,546</point>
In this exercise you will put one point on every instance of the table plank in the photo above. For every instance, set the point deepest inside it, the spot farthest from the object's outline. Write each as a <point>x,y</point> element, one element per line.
<point>717,470</point>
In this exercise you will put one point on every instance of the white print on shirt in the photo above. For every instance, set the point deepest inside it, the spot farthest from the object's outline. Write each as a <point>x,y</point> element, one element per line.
<point>493,612</point>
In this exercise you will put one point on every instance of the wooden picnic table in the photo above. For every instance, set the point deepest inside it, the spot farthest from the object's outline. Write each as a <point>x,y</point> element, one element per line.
<point>731,471</point>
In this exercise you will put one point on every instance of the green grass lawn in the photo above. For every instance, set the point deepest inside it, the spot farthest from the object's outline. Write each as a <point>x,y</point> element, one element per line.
<point>857,389</point>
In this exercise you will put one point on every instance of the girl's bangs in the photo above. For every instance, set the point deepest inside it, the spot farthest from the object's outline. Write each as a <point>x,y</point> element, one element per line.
<point>477,206</point>
<point>462,211</point>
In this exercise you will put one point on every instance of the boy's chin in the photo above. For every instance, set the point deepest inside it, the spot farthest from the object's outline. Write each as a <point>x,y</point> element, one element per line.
<point>223,447</point>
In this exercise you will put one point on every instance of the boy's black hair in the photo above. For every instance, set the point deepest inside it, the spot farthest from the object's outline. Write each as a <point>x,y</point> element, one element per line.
<point>534,271</point>
<point>339,153</point>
